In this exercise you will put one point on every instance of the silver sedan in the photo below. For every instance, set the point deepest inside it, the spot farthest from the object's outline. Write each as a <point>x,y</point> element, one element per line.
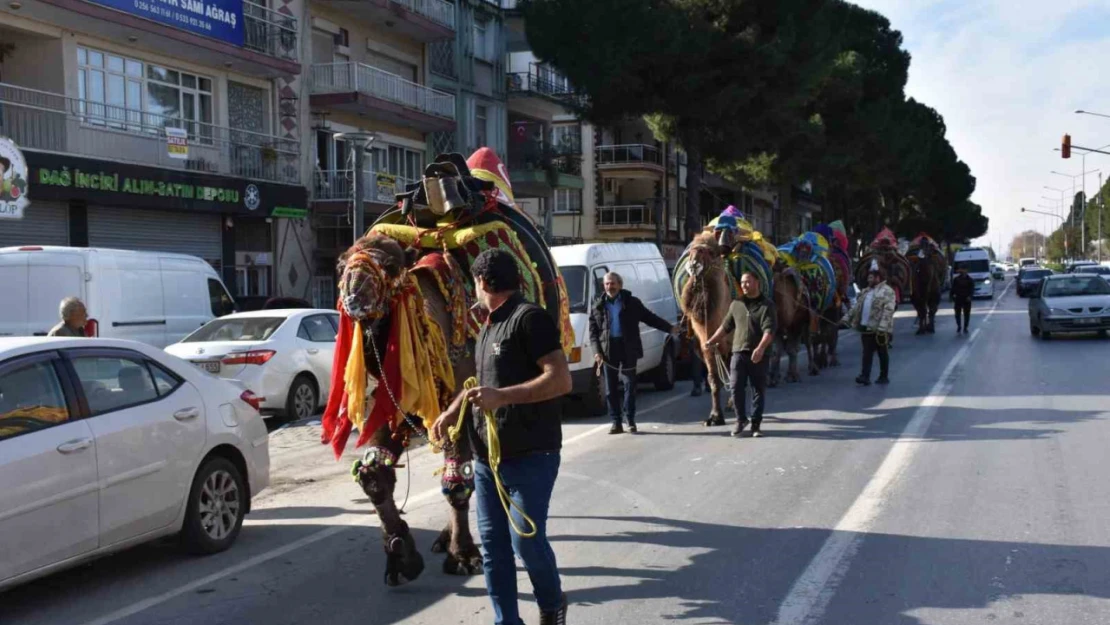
<point>1070,303</point>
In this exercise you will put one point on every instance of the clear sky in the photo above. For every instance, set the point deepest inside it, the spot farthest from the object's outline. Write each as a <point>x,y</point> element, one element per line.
<point>1008,76</point>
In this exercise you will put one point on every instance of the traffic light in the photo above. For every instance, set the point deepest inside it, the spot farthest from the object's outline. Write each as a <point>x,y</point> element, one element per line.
<point>1065,147</point>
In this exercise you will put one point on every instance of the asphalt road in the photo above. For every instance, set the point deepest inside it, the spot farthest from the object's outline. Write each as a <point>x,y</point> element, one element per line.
<point>970,490</point>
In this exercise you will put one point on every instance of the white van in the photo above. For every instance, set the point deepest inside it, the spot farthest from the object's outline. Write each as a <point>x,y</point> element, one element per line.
<point>978,264</point>
<point>646,276</point>
<point>150,297</point>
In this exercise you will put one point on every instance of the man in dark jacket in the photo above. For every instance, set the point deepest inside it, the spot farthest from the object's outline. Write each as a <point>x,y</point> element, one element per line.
<point>963,288</point>
<point>615,337</point>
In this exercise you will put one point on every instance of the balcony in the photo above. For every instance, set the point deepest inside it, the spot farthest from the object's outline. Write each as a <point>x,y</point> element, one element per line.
<point>366,90</point>
<point>630,161</point>
<point>536,166</point>
<point>50,122</point>
<point>625,217</point>
<point>425,21</point>
<point>338,186</point>
<point>269,48</point>
<point>545,83</point>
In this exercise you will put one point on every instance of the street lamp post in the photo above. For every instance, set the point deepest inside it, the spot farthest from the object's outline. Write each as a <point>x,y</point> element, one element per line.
<point>1063,226</point>
<point>1082,235</point>
<point>1029,210</point>
<point>358,141</point>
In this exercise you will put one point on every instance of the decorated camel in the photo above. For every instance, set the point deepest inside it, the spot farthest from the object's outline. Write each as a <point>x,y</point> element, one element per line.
<point>707,280</point>
<point>842,268</point>
<point>807,255</point>
<point>894,266</point>
<point>406,338</point>
<point>928,268</point>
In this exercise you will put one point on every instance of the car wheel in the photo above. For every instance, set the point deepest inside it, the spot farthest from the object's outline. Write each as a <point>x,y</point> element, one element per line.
<point>594,402</point>
<point>216,507</point>
<point>665,373</point>
<point>302,401</point>
<point>1045,335</point>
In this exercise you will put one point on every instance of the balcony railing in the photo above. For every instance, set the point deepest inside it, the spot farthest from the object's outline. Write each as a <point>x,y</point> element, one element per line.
<point>333,185</point>
<point>269,32</point>
<point>629,155</point>
<point>371,81</point>
<point>438,11</point>
<point>50,122</point>
<point>625,216</point>
<point>533,154</point>
<point>544,81</point>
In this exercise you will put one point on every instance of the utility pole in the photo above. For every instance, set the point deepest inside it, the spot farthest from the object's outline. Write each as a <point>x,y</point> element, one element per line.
<point>1101,209</point>
<point>358,141</point>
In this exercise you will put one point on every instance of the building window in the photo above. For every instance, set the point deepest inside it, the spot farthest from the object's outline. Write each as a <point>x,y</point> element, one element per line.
<point>481,124</point>
<point>252,281</point>
<point>568,201</point>
<point>483,41</point>
<point>567,138</point>
<point>128,94</point>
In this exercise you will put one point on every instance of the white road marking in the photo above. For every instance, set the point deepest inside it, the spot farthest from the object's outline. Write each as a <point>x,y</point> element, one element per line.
<point>151,602</point>
<point>812,592</point>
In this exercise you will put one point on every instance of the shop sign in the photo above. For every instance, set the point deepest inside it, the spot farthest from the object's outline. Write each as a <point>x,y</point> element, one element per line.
<point>105,183</point>
<point>289,212</point>
<point>177,143</point>
<point>13,181</point>
<point>218,19</point>
<point>387,188</point>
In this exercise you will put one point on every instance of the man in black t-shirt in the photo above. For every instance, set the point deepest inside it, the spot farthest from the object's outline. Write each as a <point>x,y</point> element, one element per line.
<point>522,372</point>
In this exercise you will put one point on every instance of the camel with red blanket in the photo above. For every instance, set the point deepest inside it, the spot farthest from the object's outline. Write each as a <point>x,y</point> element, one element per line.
<point>406,339</point>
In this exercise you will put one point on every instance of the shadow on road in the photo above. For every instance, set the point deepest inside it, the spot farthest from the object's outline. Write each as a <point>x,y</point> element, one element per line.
<point>742,574</point>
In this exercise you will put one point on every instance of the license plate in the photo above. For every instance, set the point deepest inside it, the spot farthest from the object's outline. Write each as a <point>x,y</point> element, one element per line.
<point>1092,321</point>
<point>211,366</point>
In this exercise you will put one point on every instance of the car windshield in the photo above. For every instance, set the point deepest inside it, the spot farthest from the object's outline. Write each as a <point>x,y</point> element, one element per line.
<point>236,329</point>
<point>973,266</point>
<point>1035,274</point>
<point>1081,285</point>
<point>1097,269</point>
<point>577,284</point>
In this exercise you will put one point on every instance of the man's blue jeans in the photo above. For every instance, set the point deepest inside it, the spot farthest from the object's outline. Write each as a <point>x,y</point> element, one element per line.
<point>529,480</point>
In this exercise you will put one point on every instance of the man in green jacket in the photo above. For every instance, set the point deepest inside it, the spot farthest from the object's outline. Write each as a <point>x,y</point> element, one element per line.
<point>753,319</point>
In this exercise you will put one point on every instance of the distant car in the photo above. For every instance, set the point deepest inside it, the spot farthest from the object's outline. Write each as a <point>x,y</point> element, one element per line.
<point>105,444</point>
<point>1095,270</point>
<point>1029,279</point>
<point>998,272</point>
<point>1080,266</point>
<point>284,356</point>
<point>1070,303</point>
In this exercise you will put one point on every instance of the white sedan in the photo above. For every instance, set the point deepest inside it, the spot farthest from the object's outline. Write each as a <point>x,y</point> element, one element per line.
<point>282,355</point>
<point>105,444</point>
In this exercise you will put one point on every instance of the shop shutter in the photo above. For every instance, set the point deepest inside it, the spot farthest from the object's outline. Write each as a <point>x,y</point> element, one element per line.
<point>43,223</point>
<point>195,234</point>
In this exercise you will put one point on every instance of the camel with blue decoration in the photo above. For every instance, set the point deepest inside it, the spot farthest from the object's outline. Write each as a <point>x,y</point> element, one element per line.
<point>829,333</point>
<point>707,279</point>
<point>405,346</point>
<point>807,258</point>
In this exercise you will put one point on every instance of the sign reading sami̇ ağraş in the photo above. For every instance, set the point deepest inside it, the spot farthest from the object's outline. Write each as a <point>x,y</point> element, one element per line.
<point>219,19</point>
<point>13,181</point>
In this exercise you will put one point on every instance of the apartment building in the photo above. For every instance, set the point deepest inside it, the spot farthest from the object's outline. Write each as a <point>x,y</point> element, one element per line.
<point>550,156</point>
<point>163,126</point>
<point>367,71</point>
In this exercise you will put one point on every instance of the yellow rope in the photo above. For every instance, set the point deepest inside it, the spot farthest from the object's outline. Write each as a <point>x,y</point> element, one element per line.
<point>494,461</point>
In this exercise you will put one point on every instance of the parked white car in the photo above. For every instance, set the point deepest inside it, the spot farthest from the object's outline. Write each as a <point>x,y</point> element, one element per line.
<point>105,444</point>
<point>284,356</point>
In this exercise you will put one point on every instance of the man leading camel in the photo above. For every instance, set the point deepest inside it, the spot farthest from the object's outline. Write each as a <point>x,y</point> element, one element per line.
<point>753,319</point>
<point>873,316</point>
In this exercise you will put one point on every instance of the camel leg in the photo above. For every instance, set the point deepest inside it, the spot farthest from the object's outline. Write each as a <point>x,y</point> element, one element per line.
<point>792,348</point>
<point>377,476</point>
<point>716,385</point>
<point>774,376</point>
<point>463,557</point>
<point>834,342</point>
<point>813,369</point>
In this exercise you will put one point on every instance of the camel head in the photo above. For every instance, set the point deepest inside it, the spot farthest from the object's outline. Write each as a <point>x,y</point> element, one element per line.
<point>705,252</point>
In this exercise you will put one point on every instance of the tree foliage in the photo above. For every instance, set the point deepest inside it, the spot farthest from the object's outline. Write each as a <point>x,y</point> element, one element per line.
<point>769,92</point>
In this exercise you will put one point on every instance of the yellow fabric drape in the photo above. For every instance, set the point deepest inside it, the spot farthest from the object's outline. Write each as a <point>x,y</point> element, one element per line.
<point>354,379</point>
<point>423,357</point>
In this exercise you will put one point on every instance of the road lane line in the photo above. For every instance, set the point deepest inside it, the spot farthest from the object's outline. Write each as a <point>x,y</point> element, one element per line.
<point>812,592</point>
<point>151,602</point>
